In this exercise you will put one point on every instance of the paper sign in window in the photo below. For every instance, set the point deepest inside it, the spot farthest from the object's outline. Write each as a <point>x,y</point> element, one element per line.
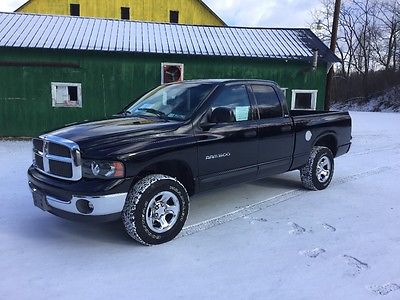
<point>242,113</point>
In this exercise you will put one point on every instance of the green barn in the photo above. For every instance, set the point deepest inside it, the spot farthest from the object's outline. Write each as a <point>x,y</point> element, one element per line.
<point>57,70</point>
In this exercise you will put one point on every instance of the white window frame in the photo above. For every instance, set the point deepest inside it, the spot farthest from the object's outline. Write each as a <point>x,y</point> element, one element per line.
<point>314,97</point>
<point>56,103</point>
<point>181,65</point>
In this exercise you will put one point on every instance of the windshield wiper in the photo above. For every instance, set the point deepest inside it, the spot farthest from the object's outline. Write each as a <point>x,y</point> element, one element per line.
<point>123,114</point>
<point>154,112</point>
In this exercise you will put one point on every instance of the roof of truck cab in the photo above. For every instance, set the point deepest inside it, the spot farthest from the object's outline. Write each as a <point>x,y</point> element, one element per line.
<point>227,81</point>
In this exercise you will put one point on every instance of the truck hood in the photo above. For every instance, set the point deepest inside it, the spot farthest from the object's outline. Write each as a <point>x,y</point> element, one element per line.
<point>103,136</point>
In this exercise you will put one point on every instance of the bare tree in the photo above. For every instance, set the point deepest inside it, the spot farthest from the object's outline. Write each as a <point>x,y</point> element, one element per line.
<point>364,30</point>
<point>349,41</point>
<point>385,39</point>
<point>368,38</point>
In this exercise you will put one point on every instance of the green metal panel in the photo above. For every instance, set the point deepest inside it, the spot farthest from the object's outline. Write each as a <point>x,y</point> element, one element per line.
<point>112,80</point>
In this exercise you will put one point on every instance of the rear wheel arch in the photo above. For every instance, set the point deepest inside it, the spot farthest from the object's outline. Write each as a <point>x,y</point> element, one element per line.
<point>329,141</point>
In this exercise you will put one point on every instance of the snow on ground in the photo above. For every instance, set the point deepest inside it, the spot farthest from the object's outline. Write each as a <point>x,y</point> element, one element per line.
<point>387,102</point>
<point>341,243</point>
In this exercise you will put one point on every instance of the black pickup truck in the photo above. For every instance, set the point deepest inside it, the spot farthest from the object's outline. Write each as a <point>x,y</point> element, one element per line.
<point>178,139</point>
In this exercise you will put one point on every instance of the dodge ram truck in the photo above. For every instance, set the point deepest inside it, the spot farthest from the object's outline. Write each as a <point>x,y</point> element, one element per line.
<point>141,165</point>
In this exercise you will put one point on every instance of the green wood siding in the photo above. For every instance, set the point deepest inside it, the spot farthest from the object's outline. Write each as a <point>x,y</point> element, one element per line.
<point>111,80</point>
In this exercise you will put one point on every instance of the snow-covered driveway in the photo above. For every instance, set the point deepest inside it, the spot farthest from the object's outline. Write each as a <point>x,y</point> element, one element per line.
<point>264,240</point>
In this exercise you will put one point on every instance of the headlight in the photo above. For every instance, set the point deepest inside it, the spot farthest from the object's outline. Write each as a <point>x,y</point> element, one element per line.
<point>103,169</point>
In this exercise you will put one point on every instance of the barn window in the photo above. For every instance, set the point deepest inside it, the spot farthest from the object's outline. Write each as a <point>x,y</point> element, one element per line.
<point>75,10</point>
<point>125,13</point>
<point>66,94</point>
<point>174,16</point>
<point>171,72</point>
<point>304,99</point>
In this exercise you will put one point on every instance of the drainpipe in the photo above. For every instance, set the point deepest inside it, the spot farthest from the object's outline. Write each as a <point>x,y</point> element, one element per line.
<point>315,59</point>
<point>329,78</point>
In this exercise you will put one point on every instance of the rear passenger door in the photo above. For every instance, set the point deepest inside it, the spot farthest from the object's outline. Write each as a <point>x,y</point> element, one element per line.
<point>275,131</point>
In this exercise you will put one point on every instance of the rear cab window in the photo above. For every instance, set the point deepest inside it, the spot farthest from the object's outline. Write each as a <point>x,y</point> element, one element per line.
<point>268,103</point>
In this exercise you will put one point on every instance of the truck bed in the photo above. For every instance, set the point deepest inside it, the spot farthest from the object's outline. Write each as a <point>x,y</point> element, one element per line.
<point>318,125</point>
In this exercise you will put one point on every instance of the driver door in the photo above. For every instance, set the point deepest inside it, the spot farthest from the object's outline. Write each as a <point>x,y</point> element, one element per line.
<point>227,152</point>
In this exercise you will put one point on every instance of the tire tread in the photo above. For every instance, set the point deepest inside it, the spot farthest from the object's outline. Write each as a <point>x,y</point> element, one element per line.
<point>132,200</point>
<point>306,172</point>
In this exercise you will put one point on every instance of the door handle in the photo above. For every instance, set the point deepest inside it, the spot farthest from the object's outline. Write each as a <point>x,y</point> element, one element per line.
<point>250,134</point>
<point>286,128</point>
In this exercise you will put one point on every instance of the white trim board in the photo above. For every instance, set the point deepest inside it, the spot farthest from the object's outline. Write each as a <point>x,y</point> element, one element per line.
<point>314,97</point>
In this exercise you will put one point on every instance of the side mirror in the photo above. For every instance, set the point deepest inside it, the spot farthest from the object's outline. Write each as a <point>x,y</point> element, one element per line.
<point>222,115</point>
<point>218,115</point>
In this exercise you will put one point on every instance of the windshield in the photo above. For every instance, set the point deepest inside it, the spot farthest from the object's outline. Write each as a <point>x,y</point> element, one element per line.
<point>175,102</point>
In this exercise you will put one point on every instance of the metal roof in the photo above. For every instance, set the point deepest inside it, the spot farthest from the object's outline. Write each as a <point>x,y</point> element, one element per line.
<point>91,34</point>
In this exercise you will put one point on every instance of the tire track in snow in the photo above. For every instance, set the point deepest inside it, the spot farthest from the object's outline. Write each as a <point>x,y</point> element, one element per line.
<point>255,207</point>
<point>239,213</point>
<point>373,150</point>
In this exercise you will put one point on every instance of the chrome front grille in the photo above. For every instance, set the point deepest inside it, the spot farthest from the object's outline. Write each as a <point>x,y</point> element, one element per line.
<point>57,157</point>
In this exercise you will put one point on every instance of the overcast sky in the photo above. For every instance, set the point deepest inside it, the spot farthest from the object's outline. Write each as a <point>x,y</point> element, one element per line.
<point>264,13</point>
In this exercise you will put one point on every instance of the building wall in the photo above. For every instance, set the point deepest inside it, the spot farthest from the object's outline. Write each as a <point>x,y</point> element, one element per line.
<point>190,11</point>
<point>110,81</point>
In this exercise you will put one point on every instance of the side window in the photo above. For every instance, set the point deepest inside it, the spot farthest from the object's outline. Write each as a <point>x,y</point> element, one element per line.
<point>75,10</point>
<point>172,72</point>
<point>304,99</point>
<point>66,94</point>
<point>125,13</point>
<point>236,98</point>
<point>174,16</point>
<point>268,102</point>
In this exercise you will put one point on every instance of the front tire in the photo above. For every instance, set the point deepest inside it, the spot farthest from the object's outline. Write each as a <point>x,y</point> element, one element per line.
<point>318,172</point>
<point>156,209</point>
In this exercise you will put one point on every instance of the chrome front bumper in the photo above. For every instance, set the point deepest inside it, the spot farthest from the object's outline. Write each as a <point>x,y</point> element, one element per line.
<point>100,205</point>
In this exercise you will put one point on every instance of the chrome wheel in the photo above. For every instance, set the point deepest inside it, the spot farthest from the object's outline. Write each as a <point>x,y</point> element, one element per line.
<point>324,168</point>
<point>162,212</point>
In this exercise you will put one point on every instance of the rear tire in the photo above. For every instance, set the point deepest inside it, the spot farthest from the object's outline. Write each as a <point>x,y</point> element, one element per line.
<point>318,172</point>
<point>155,210</point>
